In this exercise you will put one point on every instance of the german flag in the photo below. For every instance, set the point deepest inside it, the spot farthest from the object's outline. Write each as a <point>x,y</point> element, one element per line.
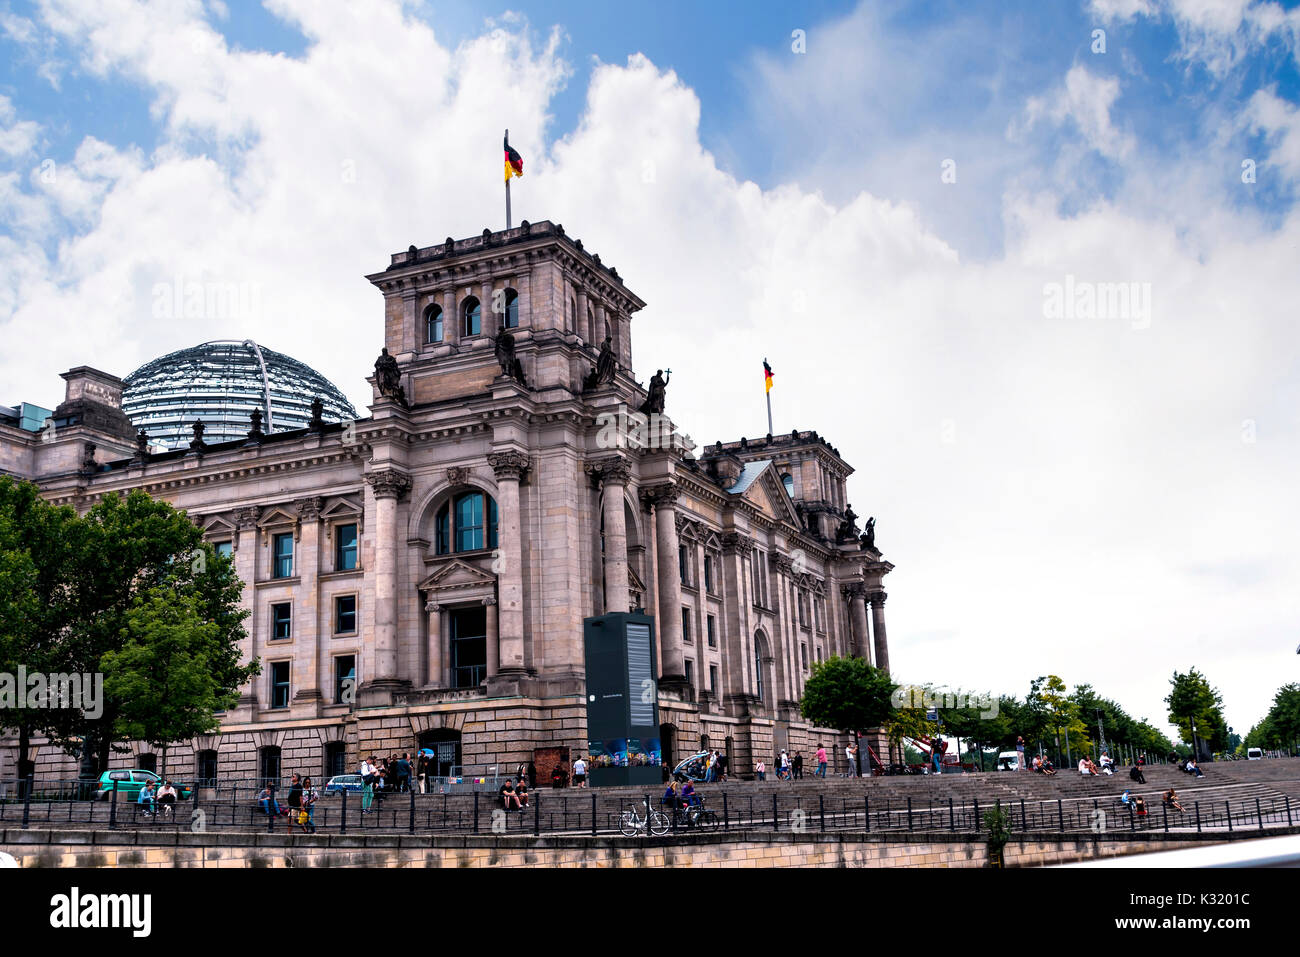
<point>514,162</point>
<point>767,376</point>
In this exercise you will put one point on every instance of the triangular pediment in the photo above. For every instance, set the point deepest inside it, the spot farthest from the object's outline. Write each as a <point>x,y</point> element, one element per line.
<point>276,515</point>
<point>215,524</point>
<point>341,507</point>
<point>456,574</point>
<point>634,582</point>
<point>768,495</point>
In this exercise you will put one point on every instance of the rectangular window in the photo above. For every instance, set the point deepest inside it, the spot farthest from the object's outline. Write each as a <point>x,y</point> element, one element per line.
<point>469,523</point>
<point>708,573</point>
<point>686,624</point>
<point>681,565</point>
<point>803,654</point>
<point>345,548</point>
<point>713,678</point>
<point>281,620</point>
<point>279,684</point>
<point>468,646</point>
<point>345,614</point>
<point>690,672</point>
<point>713,631</point>
<point>282,549</point>
<point>345,679</point>
<point>224,549</point>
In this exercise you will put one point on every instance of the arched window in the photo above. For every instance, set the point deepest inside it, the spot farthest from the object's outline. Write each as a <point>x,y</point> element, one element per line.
<point>788,481</point>
<point>758,668</point>
<point>472,315</point>
<point>433,324</point>
<point>591,326</point>
<point>512,309</point>
<point>466,523</point>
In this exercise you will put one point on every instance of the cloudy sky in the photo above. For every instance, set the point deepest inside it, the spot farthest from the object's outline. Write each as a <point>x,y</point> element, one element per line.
<point>1032,268</point>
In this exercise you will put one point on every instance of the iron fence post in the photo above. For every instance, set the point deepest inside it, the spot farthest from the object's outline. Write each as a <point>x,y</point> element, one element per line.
<point>866,812</point>
<point>1228,805</point>
<point>476,812</point>
<point>1196,806</point>
<point>1164,810</point>
<point>821,809</point>
<point>775,823</point>
<point>411,826</point>
<point>1060,815</point>
<point>952,817</point>
<point>909,812</point>
<point>978,822</point>
<point>1287,798</point>
<point>343,816</point>
<point>1024,826</point>
<point>726,817</point>
<point>27,799</point>
<point>1259,814</point>
<point>593,813</point>
<point>537,816</point>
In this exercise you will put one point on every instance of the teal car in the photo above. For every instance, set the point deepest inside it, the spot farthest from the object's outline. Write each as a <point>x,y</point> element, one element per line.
<point>129,783</point>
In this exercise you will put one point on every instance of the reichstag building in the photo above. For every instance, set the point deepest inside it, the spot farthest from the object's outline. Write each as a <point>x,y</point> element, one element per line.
<point>418,577</point>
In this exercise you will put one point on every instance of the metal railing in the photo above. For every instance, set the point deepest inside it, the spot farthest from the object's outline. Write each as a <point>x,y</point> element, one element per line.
<point>594,812</point>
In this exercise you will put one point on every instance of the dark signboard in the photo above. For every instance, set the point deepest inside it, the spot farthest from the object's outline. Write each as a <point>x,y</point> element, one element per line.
<point>622,700</point>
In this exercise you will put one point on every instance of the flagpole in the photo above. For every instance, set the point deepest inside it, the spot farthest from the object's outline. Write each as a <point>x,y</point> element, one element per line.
<point>768,393</point>
<point>507,189</point>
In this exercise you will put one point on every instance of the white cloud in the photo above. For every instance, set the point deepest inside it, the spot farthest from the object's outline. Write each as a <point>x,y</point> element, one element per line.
<point>1085,100</point>
<point>17,137</point>
<point>1279,121</point>
<point>1070,496</point>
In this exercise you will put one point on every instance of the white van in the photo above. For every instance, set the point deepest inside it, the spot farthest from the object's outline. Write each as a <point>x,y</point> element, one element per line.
<point>1009,761</point>
<point>1254,754</point>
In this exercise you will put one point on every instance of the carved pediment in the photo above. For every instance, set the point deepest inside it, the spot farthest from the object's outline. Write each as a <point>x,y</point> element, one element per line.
<point>456,575</point>
<point>277,515</point>
<point>768,495</point>
<point>217,525</point>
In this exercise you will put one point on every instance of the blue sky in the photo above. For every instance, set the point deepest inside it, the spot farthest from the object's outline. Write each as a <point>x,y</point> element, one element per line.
<point>1116,483</point>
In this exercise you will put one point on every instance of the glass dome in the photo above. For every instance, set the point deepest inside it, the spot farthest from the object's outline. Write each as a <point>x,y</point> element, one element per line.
<point>221,383</point>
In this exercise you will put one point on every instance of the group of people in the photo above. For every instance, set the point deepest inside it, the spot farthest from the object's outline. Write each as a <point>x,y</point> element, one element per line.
<point>790,768</point>
<point>1088,768</point>
<point>1139,804</point>
<point>679,800</point>
<point>715,766</point>
<point>299,805</point>
<point>380,776</point>
<point>157,802</point>
<point>514,794</point>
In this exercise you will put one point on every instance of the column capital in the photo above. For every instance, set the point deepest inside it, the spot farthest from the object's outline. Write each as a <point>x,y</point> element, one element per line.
<point>877,597</point>
<point>782,563</point>
<point>854,590</point>
<point>431,606</point>
<point>614,470</point>
<point>489,600</point>
<point>389,483</point>
<point>663,495</point>
<point>736,543</point>
<point>309,508</point>
<point>509,464</point>
<point>247,517</point>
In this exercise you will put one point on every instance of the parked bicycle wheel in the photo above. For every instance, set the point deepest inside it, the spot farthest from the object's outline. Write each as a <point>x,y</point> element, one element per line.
<point>659,823</point>
<point>629,824</point>
<point>707,819</point>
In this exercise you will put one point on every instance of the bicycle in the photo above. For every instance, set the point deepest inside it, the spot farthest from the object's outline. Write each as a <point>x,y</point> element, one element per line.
<point>633,823</point>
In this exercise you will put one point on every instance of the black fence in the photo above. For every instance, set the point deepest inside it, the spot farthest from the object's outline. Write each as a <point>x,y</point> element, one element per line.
<point>595,812</point>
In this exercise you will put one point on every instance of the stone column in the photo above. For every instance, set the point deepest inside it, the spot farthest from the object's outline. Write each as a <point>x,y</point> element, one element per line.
<point>306,667</point>
<point>878,626</point>
<point>857,594</point>
<point>613,474</point>
<point>509,468</point>
<point>493,636</point>
<point>434,610</point>
<point>389,485</point>
<point>244,555</point>
<point>664,499</point>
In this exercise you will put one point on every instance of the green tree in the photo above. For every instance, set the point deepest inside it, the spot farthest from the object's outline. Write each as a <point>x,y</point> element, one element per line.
<point>129,548</point>
<point>37,541</point>
<point>162,677</point>
<point>847,693</point>
<point>1059,714</point>
<point>1195,708</point>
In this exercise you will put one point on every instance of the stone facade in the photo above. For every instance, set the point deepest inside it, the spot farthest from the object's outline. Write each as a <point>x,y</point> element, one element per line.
<point>447,548</point>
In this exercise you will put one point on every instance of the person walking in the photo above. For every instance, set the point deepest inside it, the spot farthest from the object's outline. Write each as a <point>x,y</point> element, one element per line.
<point>1020,753</point>
<point>580,773</point>
<point>309,798</point>
<point>798,765</point>
<point>821,760</point>
<point>760,770</point>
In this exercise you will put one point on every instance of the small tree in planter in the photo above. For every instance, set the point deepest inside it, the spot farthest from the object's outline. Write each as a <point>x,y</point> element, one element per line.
<point>998,822</point>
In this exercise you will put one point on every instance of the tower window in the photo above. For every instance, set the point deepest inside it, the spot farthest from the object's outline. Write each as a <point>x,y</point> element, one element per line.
<point>433,324</point>
<point>511,320</point>
<point>472,314</point>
